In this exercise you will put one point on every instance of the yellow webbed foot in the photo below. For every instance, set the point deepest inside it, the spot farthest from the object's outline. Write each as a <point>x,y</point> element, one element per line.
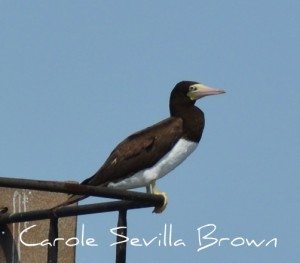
<point>152,189</point>
<point>160,209</point>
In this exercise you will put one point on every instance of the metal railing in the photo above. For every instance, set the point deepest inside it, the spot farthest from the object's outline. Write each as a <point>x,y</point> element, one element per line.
<point>128,200</point>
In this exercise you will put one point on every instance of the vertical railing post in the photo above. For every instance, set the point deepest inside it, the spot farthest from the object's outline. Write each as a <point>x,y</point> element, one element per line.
<point>122,230</point>
<point>53,234</point>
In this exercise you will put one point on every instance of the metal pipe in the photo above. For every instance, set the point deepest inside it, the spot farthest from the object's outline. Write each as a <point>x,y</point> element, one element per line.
<point>72,188</point>
<point>72,211</point>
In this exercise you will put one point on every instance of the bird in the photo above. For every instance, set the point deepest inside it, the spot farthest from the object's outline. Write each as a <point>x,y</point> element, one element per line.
<point>149,154</point>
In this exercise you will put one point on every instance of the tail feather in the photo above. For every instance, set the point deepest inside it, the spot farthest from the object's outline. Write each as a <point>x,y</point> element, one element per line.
<point>76,198</point>
<point>71,200</point>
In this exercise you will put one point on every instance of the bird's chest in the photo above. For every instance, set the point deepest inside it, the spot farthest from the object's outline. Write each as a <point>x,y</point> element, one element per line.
<point>181,150</point>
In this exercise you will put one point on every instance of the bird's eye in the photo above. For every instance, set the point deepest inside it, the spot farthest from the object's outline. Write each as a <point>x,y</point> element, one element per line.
<point>193,88</point>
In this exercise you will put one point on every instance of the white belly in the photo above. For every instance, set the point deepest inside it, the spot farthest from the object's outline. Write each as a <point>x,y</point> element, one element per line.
<point>176,156</point>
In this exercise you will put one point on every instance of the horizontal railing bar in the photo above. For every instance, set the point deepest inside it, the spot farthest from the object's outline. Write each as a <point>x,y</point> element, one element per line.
<point>72,211</point>
<point>78,189</point>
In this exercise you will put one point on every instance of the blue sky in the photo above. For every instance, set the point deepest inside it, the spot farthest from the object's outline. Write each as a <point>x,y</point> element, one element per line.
<point>77,77</point>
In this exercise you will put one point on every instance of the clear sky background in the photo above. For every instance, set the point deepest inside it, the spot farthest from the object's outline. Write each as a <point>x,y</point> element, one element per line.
<point>77,77</point>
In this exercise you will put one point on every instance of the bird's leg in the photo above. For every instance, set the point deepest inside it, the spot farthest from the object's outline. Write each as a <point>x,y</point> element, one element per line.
<point>152,189</point>
<point>149,189</point>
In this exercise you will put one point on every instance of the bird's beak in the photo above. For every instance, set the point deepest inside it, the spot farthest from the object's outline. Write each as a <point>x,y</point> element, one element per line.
<point>198,91</point>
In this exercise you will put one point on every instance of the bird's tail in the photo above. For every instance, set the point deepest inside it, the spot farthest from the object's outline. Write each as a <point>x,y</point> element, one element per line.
<point>71,200</point>
<point>76,198</point>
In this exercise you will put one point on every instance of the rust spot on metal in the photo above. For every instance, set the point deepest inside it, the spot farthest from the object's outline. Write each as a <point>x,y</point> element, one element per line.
<point>3,210</point>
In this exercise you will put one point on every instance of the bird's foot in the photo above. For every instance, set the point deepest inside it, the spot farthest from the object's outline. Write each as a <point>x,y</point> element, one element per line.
<point>161,208</point>
<point>152,189</point>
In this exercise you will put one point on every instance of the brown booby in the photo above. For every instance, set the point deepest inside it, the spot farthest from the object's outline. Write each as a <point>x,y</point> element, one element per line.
<point>149,154</point>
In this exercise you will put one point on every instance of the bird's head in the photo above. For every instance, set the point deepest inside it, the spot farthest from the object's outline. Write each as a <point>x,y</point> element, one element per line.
<point>190,91</point>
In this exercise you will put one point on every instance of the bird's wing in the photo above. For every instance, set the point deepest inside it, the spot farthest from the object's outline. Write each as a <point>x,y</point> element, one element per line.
<point>139,151</point>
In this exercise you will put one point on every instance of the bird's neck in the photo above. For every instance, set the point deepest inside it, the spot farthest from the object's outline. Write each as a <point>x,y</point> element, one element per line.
<point>193,121</point>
